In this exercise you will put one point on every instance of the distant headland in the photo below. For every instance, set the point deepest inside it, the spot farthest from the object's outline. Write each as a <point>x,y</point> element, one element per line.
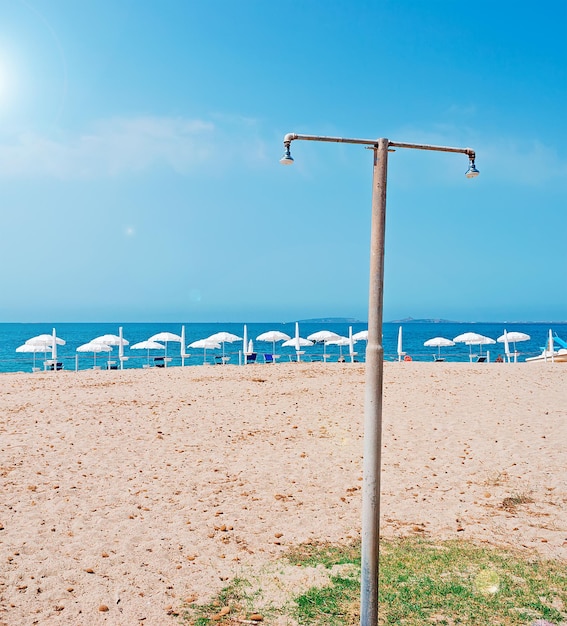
<point>332,320</point>
<point>411,320</point>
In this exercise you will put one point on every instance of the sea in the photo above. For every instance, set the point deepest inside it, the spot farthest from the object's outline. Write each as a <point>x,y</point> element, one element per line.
<point>414,334</point>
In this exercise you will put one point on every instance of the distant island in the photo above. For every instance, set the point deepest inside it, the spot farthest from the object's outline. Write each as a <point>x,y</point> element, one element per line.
<point>331,320</point>
<point>411,320</point>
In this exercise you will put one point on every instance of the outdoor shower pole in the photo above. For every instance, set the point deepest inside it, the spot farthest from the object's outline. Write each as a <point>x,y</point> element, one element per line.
<point>374,359</point>
<point>372,459</point>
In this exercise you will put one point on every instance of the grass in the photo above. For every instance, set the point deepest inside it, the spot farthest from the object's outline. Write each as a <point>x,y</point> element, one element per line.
<point>421,582</point>
<point>234,603</point>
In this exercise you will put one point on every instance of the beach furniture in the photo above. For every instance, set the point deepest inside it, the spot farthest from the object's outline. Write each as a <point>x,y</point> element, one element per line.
<point>51,365</point>
<point>269,358</point>
<point>251,358</point>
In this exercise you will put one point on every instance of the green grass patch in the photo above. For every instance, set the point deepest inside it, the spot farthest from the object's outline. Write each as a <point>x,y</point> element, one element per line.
<point>421,582</point>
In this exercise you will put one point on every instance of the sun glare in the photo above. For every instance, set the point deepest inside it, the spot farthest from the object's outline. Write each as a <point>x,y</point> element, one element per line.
<point>6,87</point>
<point>2,81</point>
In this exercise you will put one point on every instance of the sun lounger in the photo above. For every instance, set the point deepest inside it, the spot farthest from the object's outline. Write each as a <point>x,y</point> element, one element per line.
<point>52,365</point>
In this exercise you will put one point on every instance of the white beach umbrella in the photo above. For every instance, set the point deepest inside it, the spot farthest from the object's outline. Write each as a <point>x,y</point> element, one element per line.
<point>165,337</point>
<point>361,336</point>
<point>513,337</point>
<point>54,349</point>
<point>400,347</point>
<point>351,342</point>
<point>473,339</point>
<point>49,342</point>
<point>114,340</point>
<point>94,347</point>
<point>224,337</point>
<point>205,344</point>
<point>245,343</point>
<point>507,347</point>
<point>184,354</point>
<point>323,336</point>
<point>341,341</point>
<point>121,344</point>
<point>297,343</point>
<point>438,342</point>
<point>271,336</point>
<point>45,340</point>
<point>111,340</point>
<point>33,349</point>
<point>148,345</point>
<point>551,343</point>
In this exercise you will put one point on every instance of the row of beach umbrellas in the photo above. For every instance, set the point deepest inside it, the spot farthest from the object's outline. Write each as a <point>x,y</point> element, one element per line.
<point>475,339</point>
<point>105,343</point>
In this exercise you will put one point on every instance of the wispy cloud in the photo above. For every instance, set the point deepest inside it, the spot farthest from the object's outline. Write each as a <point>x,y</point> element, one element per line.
<point>525,162</point>
<point>117,146</point>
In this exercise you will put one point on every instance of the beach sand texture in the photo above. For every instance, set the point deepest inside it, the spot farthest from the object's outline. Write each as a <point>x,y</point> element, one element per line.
<point>132,491</point>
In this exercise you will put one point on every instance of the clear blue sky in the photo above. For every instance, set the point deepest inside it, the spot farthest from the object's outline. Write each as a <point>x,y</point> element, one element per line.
<point>139,148</point>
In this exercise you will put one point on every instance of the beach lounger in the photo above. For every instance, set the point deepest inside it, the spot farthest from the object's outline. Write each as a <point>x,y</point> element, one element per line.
<point>481,359</point>
<point>251,358</point>
<point>268,358</point>
<point>52,365</point>
<point>159,361</point>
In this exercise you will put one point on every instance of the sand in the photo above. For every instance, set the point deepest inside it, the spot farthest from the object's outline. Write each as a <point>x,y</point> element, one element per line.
<point>134,491</point>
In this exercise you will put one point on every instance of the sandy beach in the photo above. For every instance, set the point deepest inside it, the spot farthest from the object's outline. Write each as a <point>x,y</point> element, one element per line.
<point>126,493</point>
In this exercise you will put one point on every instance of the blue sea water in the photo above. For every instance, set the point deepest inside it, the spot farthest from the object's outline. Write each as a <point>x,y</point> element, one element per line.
<point>414,335</point>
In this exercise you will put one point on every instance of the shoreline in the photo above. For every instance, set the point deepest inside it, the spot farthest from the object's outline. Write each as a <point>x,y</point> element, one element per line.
<point>167,484</point>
